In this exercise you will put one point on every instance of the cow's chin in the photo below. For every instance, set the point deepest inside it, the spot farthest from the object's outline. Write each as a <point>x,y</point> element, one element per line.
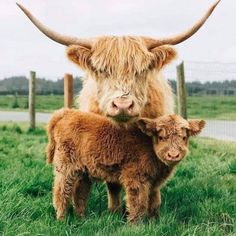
<point>123,118</point>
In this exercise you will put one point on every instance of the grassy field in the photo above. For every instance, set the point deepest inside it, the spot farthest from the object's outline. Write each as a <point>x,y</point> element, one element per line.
<point>208,107</point>
<point>43,103</point>
<point>212,107</point>
<point>198,200</point>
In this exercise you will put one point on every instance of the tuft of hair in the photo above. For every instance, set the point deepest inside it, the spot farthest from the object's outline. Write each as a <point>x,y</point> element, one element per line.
<point>119,56</point>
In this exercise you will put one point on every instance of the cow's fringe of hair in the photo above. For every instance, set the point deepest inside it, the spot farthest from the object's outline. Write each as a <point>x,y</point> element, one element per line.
<point>124,55</point>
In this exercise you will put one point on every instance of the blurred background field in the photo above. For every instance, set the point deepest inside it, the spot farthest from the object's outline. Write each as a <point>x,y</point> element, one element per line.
<point>214,100</point>
<point>208,107</point>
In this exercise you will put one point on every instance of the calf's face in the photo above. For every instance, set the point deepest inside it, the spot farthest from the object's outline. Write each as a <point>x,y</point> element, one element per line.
<point>170,136</point>
<point>121,67</point>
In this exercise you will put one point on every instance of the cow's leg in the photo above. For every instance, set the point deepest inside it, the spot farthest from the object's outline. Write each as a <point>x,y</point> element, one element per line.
<point>154,203</point>
<point>63,185</point>
<point>137,196</point>
<point>113,192</point>
<point>80,195</point>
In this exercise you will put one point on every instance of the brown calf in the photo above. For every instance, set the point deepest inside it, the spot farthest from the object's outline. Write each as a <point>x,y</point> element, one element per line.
<point>86,147</point>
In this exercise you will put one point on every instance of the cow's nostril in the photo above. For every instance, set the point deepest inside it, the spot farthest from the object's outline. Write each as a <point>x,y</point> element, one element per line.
<point>114,105</point>
<point>131,106</point>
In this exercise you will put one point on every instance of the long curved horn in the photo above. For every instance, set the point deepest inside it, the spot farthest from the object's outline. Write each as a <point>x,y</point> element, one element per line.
<point>59,38</point>
<point>152,43</point>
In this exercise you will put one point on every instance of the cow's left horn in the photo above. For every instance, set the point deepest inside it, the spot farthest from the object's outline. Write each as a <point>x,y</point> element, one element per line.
<point>59,38</point>
<point>152,43</point>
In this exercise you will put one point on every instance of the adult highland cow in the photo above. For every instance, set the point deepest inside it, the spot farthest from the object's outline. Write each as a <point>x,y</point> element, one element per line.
<point>123,75</point>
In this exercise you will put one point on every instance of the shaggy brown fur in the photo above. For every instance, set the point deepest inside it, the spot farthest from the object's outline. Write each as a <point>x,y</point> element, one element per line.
<point>124,65</point>
<point>86,147</point>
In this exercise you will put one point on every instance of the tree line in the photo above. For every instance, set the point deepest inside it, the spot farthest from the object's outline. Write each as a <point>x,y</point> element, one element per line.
<point>19,85</point>
<point>195,88</point>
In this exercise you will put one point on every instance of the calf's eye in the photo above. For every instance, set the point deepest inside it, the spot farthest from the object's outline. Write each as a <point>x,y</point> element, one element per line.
<point>161,138</point>
<point>184,138</point>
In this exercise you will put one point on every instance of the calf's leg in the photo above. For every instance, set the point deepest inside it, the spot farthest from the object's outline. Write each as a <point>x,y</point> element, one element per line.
<point>137,196</point>
<point>80,194</point>
<point>154,203</point>
<point>113,192</point>
<point>63,185</point>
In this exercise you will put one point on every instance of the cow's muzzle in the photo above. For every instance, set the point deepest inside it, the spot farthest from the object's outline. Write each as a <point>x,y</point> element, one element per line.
<point>122,109</point>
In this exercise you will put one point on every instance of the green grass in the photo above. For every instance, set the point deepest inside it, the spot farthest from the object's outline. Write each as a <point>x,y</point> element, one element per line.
<point>207,107</point>
<point>212,107</point>
<point>43,103</point>
<point>200,199</point>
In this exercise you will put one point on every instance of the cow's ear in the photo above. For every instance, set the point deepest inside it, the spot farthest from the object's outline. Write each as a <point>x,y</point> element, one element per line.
<point>79,55</point>
<point>163,55</point>
<point>195,127</point>
<point>147,126</point>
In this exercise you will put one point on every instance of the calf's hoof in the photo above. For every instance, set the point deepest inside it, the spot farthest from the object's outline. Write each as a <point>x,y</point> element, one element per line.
<point>115,209</point>
<point>80,213</point>
<point>60,216</point>
<point>133,220</point>
<point>154,213</point>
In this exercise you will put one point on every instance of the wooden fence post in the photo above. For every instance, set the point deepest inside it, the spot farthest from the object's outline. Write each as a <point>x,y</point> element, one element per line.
<point>68,91</point>
<point>181,91</point>
<point>32,91</point>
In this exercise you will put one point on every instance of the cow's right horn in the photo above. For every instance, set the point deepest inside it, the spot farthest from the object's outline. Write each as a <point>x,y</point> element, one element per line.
<point>152,43</point>
<point>59,38</point>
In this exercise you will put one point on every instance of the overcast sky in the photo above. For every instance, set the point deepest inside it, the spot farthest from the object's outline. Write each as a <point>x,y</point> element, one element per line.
<point>24,48</point>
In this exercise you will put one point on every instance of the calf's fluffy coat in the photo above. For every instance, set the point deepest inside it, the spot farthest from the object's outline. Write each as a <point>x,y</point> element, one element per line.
<point>86,147</point>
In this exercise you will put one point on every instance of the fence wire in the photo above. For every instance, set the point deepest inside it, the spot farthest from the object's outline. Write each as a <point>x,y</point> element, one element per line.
<point>205,71</point>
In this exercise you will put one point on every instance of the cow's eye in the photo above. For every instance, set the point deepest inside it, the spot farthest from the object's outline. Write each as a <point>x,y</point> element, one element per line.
<point>104,73</point>
<point>184,138</point>
<point>161,138</point>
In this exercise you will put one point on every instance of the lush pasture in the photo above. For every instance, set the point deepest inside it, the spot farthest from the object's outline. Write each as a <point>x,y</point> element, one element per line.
<point>212,107</point>
<point>43,103</point>
<point>199,200</point>
<point>209,107</point>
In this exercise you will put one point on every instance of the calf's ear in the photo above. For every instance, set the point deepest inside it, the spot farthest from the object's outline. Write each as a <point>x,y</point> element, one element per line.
<point>79,55</point>
<point>195,127</point>
<point>163,55</point>
<point>147,126</point>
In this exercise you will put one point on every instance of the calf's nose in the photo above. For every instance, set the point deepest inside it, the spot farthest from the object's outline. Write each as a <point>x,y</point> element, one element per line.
<point>173,155</point>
